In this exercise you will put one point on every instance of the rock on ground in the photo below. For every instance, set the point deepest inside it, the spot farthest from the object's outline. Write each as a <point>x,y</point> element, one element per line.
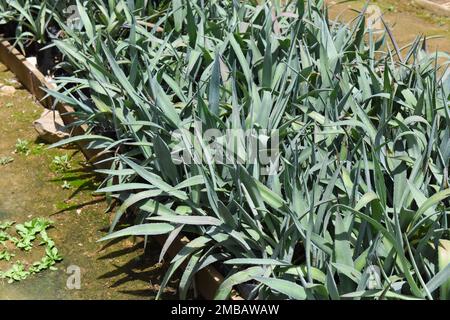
<point>50,127</point>
<point>7,90</point>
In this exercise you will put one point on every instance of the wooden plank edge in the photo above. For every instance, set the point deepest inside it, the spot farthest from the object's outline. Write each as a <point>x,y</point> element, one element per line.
<point>34,81</point>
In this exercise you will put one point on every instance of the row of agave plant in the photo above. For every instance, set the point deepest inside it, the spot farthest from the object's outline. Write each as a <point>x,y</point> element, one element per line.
<point>356,203</point>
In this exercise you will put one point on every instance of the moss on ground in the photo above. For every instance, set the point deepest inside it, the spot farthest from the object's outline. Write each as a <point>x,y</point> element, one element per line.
<point>33,186</point>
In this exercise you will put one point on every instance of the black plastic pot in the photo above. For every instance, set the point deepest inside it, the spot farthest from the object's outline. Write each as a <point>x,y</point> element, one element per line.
<point>105,126</point>
<point>45,59</point>
<point>48,57</point>
<point>8,30</point>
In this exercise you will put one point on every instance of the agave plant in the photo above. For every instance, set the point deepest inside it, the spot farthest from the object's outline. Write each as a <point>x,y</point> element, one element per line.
<point>356,202</point>
<point>6,14</point>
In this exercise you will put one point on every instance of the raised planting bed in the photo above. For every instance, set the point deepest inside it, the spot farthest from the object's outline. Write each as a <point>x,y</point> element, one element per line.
<point>314,152</point>
<point>209,279</point>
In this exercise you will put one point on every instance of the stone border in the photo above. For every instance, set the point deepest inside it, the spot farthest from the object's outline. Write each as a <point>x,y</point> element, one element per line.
<point>208,279</point>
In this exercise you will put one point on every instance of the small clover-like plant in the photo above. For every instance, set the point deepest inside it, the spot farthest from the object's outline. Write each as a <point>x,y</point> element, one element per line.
<point>6,160</point>
<point>66,185</point>
<point>22,147</point>
<point>61,163</point>
<point>6,225</point>
<point>27,234</point>
<point>6,255</point>
<point>16,273</point>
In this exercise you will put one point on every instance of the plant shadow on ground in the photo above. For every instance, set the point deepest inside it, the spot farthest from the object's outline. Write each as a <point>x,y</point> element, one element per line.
<point>31,187</point>
<point>136,263</point>
<point>140,265</point>
<point>141,268</point>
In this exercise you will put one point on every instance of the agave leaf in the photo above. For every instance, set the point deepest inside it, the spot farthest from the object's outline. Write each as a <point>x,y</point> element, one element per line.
<point>239,277</point>
<point>430,202</point>
<point>214,86</point>
<point>132,200</point>
<point>149,229</point>
<point>80,138</point>
<point>190,220</point>
<point>442,278</point>
<point>288,288</point>
<point>188,274</point>
<point>260,262</point>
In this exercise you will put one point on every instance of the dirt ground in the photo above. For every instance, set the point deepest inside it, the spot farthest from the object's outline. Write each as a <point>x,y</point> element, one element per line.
<point>406,19</point>
<point>31,187</point>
